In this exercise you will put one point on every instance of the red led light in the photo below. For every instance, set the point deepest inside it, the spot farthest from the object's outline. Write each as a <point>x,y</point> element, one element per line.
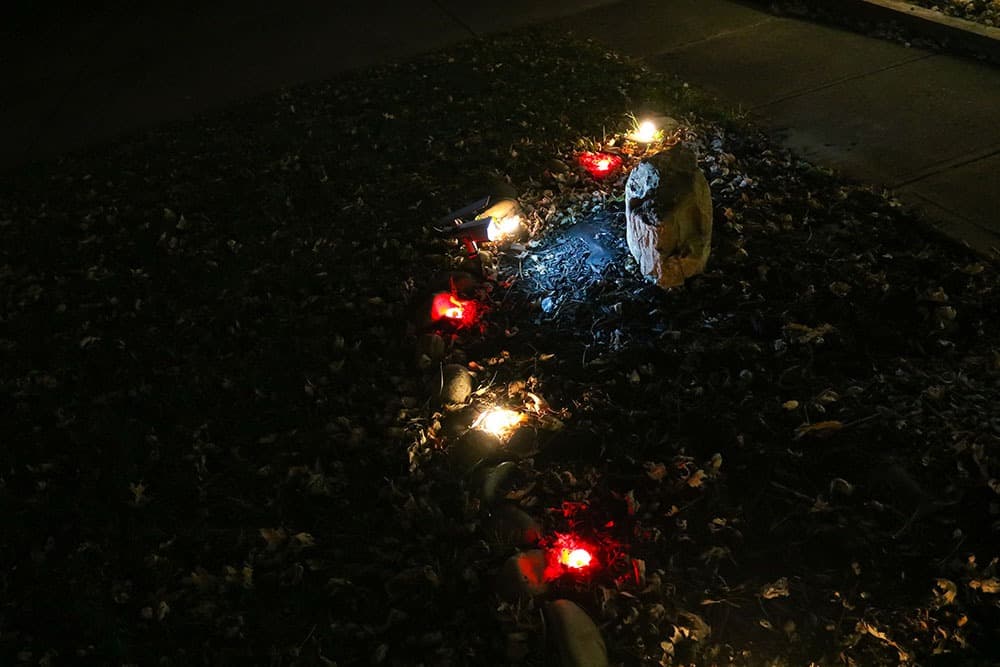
<point>599,165</point>
<point>568,555</point>
<point>447,306</point>
<point>575,558</point>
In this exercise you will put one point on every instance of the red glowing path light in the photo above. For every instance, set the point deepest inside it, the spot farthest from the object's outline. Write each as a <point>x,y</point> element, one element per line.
<point>569,555</point>
<point>448,307</point>
<point>599,165</point>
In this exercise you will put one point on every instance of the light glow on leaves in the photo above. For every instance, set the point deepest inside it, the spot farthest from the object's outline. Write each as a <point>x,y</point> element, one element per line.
<point>498,421</point>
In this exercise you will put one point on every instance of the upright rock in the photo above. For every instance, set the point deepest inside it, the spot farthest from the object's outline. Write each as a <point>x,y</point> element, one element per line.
<point>668,210</point>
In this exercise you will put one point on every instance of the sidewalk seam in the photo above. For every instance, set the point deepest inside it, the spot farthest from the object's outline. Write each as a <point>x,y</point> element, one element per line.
<point>946,165</point>
<point>454,17</point>
<point>710,38</point>
<point>837,82</point>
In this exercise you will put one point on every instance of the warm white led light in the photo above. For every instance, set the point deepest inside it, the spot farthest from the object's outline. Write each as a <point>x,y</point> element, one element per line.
<point>646,132</point>
<point>508,226</point>
<point>498,421</point>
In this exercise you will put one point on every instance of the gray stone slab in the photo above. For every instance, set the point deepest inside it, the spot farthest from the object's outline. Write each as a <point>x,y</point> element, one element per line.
<point>649,27</point>
<point>775,59</point>
<point>969,192</point>
<point>897,122</point>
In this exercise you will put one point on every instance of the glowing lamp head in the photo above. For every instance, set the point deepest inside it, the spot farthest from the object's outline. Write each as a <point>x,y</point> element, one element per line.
<point>504,227</point>
<point>568,554</point>
<point>498,421</point>
<point>645,132</point>
<point>576,559</point>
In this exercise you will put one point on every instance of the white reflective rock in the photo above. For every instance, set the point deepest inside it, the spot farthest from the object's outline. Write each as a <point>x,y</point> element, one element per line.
<point>668,211</point>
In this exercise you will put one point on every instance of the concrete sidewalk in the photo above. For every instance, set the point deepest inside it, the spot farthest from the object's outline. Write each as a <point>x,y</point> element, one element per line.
<point>925,125</point>
<point>921,123</point>
<point>76,76</point>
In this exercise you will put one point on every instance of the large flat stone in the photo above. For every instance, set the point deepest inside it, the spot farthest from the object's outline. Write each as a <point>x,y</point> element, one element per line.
<point>895,123</point>
<point>778,58</point>
<point>648,27</point>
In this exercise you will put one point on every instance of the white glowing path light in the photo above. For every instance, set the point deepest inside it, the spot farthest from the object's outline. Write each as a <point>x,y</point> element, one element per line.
<point>498,221</point>
<point>504,227</point>
<point>645,132</point>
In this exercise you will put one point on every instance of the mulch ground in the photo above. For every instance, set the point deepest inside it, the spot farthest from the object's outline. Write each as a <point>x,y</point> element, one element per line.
<point>218,441</point>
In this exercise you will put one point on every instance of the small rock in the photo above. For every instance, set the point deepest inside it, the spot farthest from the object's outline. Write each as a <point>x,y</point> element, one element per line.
<point>841,487</point>
<point>518,647</point>
<point>455,384</point>
<point>490,481</point>
<point>455,424</point>
<point>577,640</point>
<point>522,576</point>
<point>474,449</point>
<point>668,214</point>
<point>523,443</point>
<point>431,345</point>
<point>509,526</point>
<point>557,166</point>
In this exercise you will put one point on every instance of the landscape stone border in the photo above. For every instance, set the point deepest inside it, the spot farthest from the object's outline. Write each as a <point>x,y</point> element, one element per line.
<point>951,32</point>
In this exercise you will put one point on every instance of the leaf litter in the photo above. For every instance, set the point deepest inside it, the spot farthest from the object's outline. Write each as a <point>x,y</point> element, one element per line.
<point>252,368</point>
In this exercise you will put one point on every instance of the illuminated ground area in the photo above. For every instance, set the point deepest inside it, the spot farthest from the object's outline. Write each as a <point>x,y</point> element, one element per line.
<point>220,448</point>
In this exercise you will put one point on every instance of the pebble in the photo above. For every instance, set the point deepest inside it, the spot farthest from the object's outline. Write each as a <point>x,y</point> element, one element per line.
<point>577,640</point>
<point>522,576</point>
<point>509,526</point>
<point>474,449</point>
<point>455,384</point>
<point>491,480</point>
<point>523,443</point>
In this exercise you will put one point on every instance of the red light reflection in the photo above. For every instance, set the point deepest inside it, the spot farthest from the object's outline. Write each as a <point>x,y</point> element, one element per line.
<point>447,306</point>
<point>599,165</point>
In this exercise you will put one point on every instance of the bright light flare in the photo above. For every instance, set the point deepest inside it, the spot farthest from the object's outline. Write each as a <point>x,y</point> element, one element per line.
<point>575,558</point>
<point>505,227</point>
<point>645,132</point>
<point>569,554</point>
<point>498,421</point>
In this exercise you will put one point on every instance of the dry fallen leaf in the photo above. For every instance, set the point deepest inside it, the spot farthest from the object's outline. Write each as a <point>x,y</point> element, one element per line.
<point>274,537</point>
<point>823,429</point>
<point>945,592</point>
<point>696,479</point>
<point>865,627</point>
<point>655,471</point>
<point>991,585</point>
<point>775,589</point>
<point>304,539</point>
